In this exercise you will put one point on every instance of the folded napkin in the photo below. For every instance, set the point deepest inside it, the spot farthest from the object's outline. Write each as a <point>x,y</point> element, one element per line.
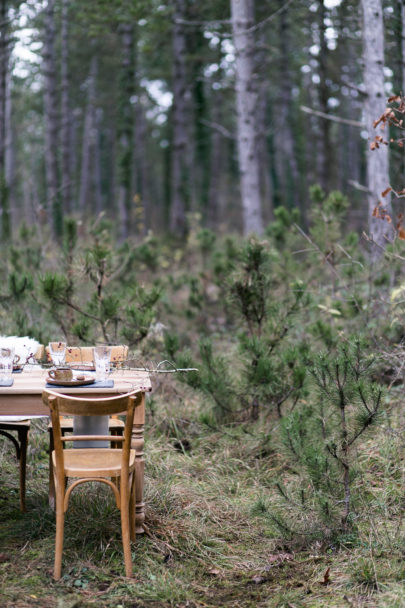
<point>96,384</point>
<point>8,382</point>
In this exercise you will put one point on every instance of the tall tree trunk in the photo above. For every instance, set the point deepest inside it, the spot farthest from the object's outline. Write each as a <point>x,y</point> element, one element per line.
<point>125,129</point>
<point>246,106</point>
<point>98,190</point>
<point>53,194</point>
<point>4,66</point>
<point>402,4</point>
<point>215,197</point>
<point>88,136</point>
<point>141,168</point>
<point>288,173</point>
<point>179,125</point>
<point>326,148</point>
<point>66,177</point>
<point>375,103</point>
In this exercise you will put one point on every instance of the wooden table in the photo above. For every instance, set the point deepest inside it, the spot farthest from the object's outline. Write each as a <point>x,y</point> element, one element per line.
<point>24,398</point>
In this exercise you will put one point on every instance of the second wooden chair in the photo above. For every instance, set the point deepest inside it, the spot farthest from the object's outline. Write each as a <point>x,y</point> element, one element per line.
<point>114,467</point>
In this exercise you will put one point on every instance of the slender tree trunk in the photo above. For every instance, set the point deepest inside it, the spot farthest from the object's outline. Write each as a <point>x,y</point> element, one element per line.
<point>4,67</point>
<point>88,136</point>
<point>98,191</point>
<point>288,173</point>
<point>53,194</point>
<point>326,148</point>
<point>66,177</point>
<point>125,129</point>
<point>141,168</point>
<point>179,125</point>
<point>375,103</point>
<point>214,207</point>
<point>246,107</point>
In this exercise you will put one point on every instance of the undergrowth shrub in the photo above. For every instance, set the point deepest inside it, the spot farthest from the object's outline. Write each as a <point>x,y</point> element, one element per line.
<point>263,370</point>
<point>320,440</point>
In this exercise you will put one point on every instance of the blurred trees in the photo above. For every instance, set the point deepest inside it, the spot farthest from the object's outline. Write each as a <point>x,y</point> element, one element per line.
<point>135,109</point>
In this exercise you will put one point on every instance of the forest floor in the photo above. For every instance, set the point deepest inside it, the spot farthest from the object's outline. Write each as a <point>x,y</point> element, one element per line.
<point>210,540</point>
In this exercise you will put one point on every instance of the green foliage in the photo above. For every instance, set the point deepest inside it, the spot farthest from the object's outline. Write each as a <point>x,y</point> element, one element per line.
<point>320,438</point>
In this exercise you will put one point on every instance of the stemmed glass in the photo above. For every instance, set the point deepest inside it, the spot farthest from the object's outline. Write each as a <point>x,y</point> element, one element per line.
<point>57,350</point>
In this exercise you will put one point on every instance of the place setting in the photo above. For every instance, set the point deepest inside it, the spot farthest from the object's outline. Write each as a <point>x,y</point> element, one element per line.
<point>78,374</point>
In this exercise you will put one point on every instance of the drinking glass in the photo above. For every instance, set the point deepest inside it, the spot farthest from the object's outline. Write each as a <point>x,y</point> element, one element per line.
<point>6,362</point>
<point>102,359</point>
<point>57,350</point>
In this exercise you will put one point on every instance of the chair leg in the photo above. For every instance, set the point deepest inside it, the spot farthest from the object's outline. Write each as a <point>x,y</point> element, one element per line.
<point>132,507</point>
<point>23,439</point>
<point>126,545</point>
<point>60,522</point>
<point>51,491</point>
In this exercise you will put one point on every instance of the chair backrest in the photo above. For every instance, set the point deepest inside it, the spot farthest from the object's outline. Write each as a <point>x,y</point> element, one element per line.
<point>60,404</point>
<point>84,354</point>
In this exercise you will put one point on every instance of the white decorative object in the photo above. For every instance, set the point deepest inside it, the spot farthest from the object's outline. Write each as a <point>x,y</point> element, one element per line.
<point>25,347</point>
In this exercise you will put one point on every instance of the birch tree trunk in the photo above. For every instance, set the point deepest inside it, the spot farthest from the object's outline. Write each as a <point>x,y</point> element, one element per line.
<point>375,103</point>
<point>179,125</point>
<point>4,66</point>
<point>66,177</point>
<point>53,194</point>
<point>246,106</point>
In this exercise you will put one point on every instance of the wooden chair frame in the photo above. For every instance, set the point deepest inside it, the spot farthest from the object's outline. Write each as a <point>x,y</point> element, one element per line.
<point>83,354</point>
<point>94,464</point>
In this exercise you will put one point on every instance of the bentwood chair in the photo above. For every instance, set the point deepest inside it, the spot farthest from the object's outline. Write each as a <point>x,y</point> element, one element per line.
<point>83,355</point>
<point>17,431</point>
<point>114,467</point>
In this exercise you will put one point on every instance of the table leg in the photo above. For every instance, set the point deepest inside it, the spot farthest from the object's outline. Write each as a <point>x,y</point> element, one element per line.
<point>138,443</point>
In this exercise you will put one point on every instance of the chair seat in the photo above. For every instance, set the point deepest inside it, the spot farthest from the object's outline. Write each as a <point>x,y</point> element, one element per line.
<point>100,462</point>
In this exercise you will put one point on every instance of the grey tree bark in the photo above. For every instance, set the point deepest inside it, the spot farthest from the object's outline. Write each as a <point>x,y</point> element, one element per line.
<point>88,137</point>
<point>179,124</point>
<point>66,118</point>
<point>140,177</point>
<point>4,68</point>
<point>326,163</point>
<point>375,103</point>
<point>125,129</point>
<point>286,153</point>
<point>98,191</point>
<point>246,107</point>
<point>53,194</point>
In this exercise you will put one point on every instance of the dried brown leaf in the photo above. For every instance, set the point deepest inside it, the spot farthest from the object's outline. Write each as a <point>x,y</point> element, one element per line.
<point>386,191</point>
<point>326,577</point>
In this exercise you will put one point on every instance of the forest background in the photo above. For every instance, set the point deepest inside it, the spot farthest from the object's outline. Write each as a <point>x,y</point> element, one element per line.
<point>219,186</point>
